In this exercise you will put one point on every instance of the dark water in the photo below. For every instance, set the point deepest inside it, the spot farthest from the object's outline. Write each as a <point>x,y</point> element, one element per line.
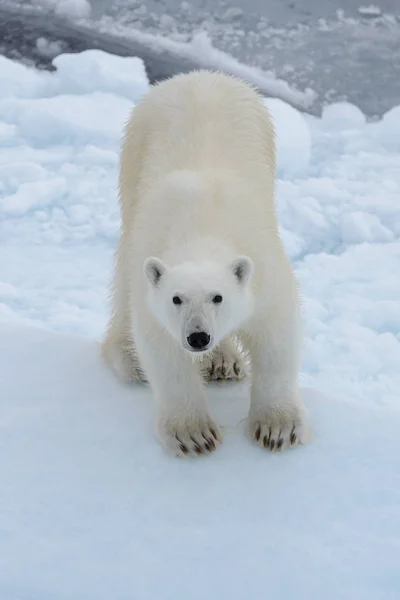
<point>341,55</point>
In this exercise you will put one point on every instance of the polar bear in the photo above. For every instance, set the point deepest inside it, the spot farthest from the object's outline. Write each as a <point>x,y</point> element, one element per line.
<point>200,264</point>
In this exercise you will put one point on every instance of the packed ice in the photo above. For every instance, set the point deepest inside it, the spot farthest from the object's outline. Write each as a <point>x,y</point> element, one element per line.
<point>89,506</point>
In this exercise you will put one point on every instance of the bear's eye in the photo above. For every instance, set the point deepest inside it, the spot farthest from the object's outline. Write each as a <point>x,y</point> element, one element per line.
<point>176,300</point>
<point>217,299</point>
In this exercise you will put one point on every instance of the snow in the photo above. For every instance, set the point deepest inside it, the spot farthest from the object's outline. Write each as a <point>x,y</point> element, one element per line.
<point>125,76</point>
<point>89,505</point>
<point>343,114</point>
<point>293,152</point>
<point>92,508</point>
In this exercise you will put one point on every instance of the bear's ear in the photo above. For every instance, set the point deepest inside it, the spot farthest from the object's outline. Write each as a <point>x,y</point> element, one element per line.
<point>242,269</point>
<point>154,269</point>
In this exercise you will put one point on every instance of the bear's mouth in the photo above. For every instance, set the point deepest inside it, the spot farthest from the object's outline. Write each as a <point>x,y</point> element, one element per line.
<point>201,351</point>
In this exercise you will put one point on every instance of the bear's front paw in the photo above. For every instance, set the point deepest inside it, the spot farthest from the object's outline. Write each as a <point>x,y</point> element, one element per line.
<point>277,428</point>
<point>226,363</point>
<point>190,436</point>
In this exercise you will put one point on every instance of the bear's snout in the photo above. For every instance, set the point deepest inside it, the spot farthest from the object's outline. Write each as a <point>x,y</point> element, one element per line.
<point>198,340</point>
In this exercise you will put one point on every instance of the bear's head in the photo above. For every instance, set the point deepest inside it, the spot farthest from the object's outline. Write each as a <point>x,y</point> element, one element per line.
<point>200,303</point>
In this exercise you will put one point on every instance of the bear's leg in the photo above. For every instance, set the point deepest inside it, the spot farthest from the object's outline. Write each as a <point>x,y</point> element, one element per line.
<point>183,424</point>
<point>277,418</point>
<point>118,348</point>
<point>120,353</point>
<point>226,362</point>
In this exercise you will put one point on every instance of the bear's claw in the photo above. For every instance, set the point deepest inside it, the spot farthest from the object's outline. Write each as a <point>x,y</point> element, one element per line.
<point>226,363</point>
<point>191,440</point>
<point>279,429</point>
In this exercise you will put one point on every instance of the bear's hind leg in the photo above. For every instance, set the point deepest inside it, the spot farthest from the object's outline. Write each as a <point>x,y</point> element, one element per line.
<point>118,347</point>
<point>120,354</point>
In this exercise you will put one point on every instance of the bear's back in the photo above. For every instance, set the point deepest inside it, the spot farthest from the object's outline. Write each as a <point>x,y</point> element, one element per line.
<point>207,120</point>
<point>204,169</point>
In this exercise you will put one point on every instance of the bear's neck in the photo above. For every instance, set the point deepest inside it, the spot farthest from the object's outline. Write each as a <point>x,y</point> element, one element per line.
<point>199,249</point>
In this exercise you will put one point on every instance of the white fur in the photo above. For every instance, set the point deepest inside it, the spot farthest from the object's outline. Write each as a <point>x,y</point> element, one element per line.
<point>197,202</point>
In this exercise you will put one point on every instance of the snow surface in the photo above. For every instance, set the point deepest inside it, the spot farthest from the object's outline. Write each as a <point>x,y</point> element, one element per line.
<point>89,506</point>
<point>293,152</point>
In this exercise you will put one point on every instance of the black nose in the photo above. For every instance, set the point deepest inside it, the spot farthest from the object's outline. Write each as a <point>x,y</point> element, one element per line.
<point>198,340</point>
